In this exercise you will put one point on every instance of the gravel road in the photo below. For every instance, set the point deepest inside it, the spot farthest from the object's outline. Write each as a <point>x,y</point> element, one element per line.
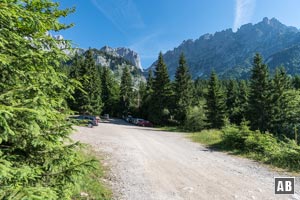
<point>146,163</point>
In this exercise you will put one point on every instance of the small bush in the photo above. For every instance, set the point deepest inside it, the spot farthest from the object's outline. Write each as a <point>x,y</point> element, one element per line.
<point>234,137</point>
<point>261,143</point>
<point>195,119</point>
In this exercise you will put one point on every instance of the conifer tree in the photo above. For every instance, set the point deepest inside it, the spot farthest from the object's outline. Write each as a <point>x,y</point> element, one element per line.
<point>87,96</point>
<point>146,97</point>
<point>162,92</point>
<point>182,90</point>
<point>232,102</point>
<point>37,159</point>
<point>110,92</point>
<point>280,84</point>
<point>75,66</point>
<point>126,91</point>
<point>259,98</point>
<point>142,91</point>
<point>243,98</point>
<point>296,82</point>
<point>92,85</point>
<point>76,73</point>
<point>150,81</point>
<point>215,104</point>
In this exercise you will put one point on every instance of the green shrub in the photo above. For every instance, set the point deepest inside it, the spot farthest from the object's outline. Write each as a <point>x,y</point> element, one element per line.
<point>263,143</point>
<point>196,119</point>
<point>233,137</point>
<point>261,146</point>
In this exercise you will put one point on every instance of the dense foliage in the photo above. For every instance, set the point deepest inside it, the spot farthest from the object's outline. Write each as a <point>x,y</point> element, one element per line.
<point>215,103</point>
<point>261,146</point>
<point>126,92</point>
<point>162,93</point>
<point>87,98</point>
<point>37,161</point>
<point>259,99</point>
<point>182,90</point>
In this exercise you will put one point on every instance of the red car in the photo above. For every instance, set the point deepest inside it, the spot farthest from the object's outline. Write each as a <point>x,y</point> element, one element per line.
<point>145,123</point>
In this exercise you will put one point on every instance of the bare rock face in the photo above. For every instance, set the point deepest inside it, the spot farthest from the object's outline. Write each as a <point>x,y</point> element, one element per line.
<point>116,60</point>
<point>125,53</point>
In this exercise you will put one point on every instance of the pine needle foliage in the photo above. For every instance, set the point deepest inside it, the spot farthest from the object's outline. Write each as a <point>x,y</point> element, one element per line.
<point>37,161</point>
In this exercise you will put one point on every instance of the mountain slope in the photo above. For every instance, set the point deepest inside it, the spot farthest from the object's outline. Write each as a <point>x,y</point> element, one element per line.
<point>125,53</point>
<point>230,53</point>
<point>117,60</point>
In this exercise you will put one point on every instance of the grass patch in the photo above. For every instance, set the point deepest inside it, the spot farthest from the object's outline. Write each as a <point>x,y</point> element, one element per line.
<point>172,129</point>
<point>83,123</point>
<point>91,186</point>
<point>207,137</point>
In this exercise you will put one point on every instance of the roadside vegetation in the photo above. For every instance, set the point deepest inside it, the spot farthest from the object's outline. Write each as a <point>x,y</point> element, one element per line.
<point>37,158</point>
<point>257,118</point>
<point>263,147</point>
<point>91,185</point>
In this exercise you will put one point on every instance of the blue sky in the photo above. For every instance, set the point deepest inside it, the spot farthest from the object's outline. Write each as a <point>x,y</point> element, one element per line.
<point>150,26</point>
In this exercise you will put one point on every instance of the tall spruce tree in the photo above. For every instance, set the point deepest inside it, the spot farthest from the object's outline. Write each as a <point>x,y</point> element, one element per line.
<point>296,82</point>
<point>215,103</point>
<point>87,97</point>
<point>279,85</point>
<point>259,98</point>
<point>243,98</point>
<point>232,102</point>
<point>76,73</point>
<point>162,92</point>
<point>37,159</point>
<point>150,81</point>
<point>142,91</point>
<point>146,97</point>
<point>110,92</point>
<point>126,91</point>
<point>92,85</point>
<point>182,90</point>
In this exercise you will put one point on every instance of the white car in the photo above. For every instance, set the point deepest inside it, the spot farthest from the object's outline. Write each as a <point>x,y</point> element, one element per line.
<point>137,120</point>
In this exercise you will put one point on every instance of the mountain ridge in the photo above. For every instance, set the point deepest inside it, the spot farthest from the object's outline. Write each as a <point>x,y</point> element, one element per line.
<point>230,53</point>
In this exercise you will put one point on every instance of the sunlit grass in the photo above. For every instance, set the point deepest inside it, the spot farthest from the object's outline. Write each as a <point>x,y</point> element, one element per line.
<point>92,186</point>
<point>207,137</point>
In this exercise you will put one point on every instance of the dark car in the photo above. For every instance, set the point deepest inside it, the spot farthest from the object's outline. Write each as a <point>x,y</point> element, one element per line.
<point>144,123</point>
<point>88,119</point>
<point>128,118</point>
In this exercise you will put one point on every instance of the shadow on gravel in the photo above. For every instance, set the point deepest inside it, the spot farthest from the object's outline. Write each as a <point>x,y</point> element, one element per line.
<point>117,121</point>
<point>122,122</point>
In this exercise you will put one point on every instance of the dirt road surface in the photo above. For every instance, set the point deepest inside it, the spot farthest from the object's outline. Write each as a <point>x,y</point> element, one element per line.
<point>148,164</point>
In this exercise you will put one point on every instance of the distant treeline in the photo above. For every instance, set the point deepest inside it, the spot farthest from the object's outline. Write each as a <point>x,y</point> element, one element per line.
<point>267,103</point>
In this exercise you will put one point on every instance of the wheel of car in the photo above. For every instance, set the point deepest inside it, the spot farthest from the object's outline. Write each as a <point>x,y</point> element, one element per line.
<point>90,125</point>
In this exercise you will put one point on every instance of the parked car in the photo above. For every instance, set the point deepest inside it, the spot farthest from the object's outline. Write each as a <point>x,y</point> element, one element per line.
<point>88,119</point>
<point>128,118</point>
<point>145,123</point>
<point>131,120</point>
<point>106,116</point>
<point>137,120</point>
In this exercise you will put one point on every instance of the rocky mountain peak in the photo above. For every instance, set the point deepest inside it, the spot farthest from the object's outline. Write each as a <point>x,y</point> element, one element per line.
<point>231,53</point>
<point>125,53</point>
